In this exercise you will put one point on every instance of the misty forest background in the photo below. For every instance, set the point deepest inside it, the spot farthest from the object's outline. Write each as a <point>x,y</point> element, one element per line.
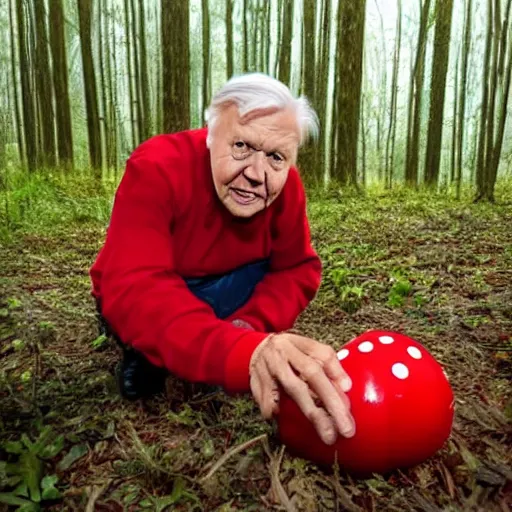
<point>413,93</point>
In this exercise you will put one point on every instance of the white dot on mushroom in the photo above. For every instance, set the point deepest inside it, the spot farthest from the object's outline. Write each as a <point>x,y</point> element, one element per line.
<point>365,346</point>
<point>386,340</point>
<point>342,354</point>
<point>414,352</point>
<point>400,371</point>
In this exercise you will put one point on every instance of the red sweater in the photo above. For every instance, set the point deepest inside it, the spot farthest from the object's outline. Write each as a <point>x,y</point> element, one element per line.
<point>168,223</point>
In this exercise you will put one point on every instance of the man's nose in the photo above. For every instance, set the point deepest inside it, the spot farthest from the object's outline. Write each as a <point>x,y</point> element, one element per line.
<point>255,171</point>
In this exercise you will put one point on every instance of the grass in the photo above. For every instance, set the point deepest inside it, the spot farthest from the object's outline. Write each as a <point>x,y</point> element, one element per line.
<point>437,269</point>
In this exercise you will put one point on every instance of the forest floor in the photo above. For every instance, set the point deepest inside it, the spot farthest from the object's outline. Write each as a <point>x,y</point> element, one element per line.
<point>435,269</point>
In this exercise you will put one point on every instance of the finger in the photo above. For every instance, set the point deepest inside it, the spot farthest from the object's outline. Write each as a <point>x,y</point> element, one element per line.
<point>298,390</point>
<point>269,391</point>
<point>314,374</point>
<point>329,359</point>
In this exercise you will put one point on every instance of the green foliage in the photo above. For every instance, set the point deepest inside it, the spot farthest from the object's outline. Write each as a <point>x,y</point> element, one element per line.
<point>43,201</point>
<point>400,290</point>
<point>26,472</point>
<point>179,493</point>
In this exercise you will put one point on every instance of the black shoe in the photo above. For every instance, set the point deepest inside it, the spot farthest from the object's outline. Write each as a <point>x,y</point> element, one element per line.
<point>138,378</point>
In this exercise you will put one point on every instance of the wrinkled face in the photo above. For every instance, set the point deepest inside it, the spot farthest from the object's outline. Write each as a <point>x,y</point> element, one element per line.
<point>251,157</point>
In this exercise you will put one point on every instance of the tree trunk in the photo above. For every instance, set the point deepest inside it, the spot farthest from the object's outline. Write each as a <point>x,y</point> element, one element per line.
<point>91,98</point>
<point>390,144</point>
<point>350,55</point>
<point>480,161</point>
<point>462,93</point>
<point>323,80</point>
<point>454,122</point>
<point>144,77</point>
<point>104,124</point>
<point>136,67</point>
<point>111,135</point>
<point>229,39</point>
<point>444,10</point>
<point>175,65</point>
<point>206,57</point>
<point>135,135</point>
<point>44,91</point>
<point>60,85</point>
<point>413,146</point>
<point>308,162</point>
<point>19,126</point>
<point>492,166</point>
<point>286,43</point>
<point>27,97</point>
<point>246,37</point>
<point>489,144</point>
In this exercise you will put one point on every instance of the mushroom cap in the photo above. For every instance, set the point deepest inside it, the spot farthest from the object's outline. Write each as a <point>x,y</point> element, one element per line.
<point>401,401</point>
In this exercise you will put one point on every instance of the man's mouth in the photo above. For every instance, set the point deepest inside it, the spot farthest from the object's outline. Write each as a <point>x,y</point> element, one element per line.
<point>243,196</point>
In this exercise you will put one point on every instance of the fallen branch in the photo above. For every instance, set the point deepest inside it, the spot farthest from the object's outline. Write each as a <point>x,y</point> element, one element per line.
<point>230,453</point>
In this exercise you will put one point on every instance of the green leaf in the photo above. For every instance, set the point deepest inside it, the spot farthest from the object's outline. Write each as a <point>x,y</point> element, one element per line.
<point>51,450</point>
<point>13,447</point>
<point>31,469</point>
<point>99,341</point>
<point>74,454</point>
<point>48,487</point>
<point>13,303</point>
<point>25,505</point>
<point>21,490</point>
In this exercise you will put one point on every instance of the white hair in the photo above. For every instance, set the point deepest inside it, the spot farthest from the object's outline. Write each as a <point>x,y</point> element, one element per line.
<point>256,91</point>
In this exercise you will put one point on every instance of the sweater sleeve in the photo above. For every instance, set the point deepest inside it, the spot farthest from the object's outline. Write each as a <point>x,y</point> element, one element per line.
<point>295,268</point>
<point>149,305</point>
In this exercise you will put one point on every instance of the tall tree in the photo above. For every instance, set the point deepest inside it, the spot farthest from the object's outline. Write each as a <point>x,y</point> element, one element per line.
<point>416,101</point>
<point>61,85</point>
<point>44,92</point>
<point>349,77</point>
<point>131,94</point>
<point>322,83</point>
<point>111,135</point>
<point>285,54</point>
<point>175,65</point>
<point>307,159</point>
<point>136,67</point>
<point>104,119</point>
<point>229,39</point>
<point>19,127</point>
<point>463,92</point>
<point>390,144</point>
<point>498,80</point>
<point>89,77</point>
<point>443,26</point>
<point>144,77</point>
<point>206,56</point>
<point>27,96</point>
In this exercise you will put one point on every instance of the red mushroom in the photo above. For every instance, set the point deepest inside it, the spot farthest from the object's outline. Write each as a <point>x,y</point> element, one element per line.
<point>401,401</point>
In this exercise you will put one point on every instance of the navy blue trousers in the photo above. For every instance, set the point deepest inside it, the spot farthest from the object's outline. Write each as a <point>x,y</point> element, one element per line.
<point>224,293</point>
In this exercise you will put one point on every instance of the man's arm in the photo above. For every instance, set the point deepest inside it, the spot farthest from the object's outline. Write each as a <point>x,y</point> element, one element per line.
<point>295,268</point>
<point>148,305</point>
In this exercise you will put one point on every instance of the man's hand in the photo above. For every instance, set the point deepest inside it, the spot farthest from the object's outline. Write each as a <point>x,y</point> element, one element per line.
<point>307,370</point>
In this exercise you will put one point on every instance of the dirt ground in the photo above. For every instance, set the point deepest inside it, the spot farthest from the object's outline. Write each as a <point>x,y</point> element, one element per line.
<point>436,270</point>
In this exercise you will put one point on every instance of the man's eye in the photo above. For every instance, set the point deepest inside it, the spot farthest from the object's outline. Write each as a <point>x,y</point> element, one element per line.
<point>276,157</point>
<point>239,144</point>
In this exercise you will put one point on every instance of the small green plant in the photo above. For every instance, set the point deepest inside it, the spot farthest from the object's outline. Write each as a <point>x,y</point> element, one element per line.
<point>100,342</point>
<point>179,493</point>
<point>400,290</point>
<point>351,298</point>
<point>25,475</point>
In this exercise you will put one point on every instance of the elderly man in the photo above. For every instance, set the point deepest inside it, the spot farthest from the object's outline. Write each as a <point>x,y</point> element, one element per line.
<point>208,261</point>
